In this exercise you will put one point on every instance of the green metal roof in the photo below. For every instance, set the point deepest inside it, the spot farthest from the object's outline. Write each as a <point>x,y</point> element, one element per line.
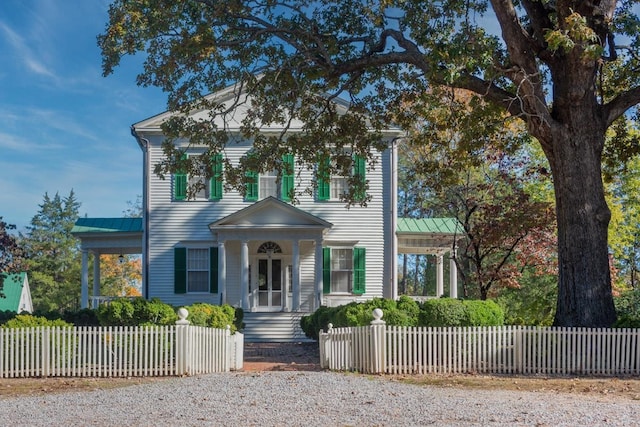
<point>429,225</point>
<point>11,291</point>
<point>107,225</point>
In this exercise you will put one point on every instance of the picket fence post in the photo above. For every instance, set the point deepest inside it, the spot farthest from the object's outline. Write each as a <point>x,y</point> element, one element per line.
<point>183,350</point>
<point>378,343</point>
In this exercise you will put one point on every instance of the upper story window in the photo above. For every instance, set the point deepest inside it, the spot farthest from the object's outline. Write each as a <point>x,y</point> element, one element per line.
<point>196,187</point>
<point>262,185</point>
<point>332,186</point>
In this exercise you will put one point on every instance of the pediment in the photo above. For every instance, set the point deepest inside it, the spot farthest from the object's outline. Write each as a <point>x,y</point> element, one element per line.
<point>270,213</point>
<point>234,101</point>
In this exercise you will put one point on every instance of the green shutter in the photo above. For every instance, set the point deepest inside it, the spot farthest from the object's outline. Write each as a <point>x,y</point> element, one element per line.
<point>324,179</point>
<point>326,270</point>
<point>180,183</point>
<point>251,186</point>
<point>215,184</point>
<point>287,177</point>
<point>180,270</point>
<point>213,270</point>
<point>359,271</point>
<point>359,170</point>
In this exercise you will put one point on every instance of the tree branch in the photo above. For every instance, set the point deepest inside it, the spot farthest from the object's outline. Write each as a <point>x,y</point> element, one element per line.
<point>621,103</point>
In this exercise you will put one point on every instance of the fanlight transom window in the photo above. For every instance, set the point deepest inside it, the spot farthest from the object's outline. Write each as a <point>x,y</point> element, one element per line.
<point>269,248</point>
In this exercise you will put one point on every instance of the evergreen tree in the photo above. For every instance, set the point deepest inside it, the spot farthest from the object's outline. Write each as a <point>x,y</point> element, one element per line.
<point>54,258</point>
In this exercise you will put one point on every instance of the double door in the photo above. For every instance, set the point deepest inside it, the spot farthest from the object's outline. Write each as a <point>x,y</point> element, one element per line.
<point>270,283</point>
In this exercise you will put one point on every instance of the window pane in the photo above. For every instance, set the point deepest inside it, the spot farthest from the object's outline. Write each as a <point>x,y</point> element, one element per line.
<point>338,187</point>
<point>198,270</point>
<point>341,270</point>
<point>268,184</point>
<point>198,281</point>
<point>198,259</point>
<point>341,281</point>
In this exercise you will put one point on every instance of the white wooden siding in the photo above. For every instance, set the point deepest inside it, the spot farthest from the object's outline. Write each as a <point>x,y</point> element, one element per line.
<point>185,223</point>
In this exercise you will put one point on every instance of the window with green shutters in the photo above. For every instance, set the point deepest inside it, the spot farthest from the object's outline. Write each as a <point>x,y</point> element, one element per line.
<point>195,270</point>
<point>332,187</point>
<point>260,186</point>
<point>211,189</point>
<point>343,270</point>
<point>215,183</point>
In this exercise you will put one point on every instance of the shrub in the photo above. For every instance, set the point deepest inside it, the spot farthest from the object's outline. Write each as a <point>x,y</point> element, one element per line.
<point>82,317</point>
<point>136,312</point>
<point>484,313</point>
<point>30,321</point>
<point>628,309</point>
<point>214,316</point>
<point>319,320</point>
<point>403,312</point>
<point>443,312</point>
<point>452,312</point>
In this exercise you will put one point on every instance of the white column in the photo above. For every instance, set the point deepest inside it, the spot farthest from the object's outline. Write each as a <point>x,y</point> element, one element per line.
<point>318,271</point>
<point>453,275</point>
<point>84,283</point>
<point>222,273</point>
<point>244,274</point>
<point>295,275</point>
<point>439,277</point>
<point>96,274</point>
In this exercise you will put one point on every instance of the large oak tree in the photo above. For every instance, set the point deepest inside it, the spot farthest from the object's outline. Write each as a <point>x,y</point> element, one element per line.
<point>558,65</point>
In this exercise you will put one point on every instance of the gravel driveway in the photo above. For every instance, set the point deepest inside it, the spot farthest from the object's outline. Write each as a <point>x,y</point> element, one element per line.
<point>298,398</point>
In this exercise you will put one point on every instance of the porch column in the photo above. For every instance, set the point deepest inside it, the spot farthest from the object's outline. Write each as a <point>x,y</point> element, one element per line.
<point>295,275</point>
<point>439,277</point>
<point>96,274</point>
<point>222,273</point>
<point>318,271</point>
<point>84,281</point>
<point>244,274</point>
<point>453,275</point>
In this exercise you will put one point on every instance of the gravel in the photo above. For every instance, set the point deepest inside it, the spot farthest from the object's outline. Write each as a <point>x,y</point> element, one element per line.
<point>310,399</point>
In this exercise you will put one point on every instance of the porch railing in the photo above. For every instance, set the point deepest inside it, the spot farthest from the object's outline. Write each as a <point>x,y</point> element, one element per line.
<point>379,348</point>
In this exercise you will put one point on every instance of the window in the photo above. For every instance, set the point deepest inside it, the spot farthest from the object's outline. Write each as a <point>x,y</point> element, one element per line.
<point>343,270</point>
<point>195,270</point>
<point>334,187</point>
<point>208,189</point>
<point>260,186</point>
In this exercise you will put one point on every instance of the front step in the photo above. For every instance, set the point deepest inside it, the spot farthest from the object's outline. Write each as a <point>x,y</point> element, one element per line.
<point>273,327</point>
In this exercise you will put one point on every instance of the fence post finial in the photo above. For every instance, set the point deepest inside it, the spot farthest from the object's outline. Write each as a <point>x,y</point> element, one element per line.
<point>182,316</point>
<point>377,317</point>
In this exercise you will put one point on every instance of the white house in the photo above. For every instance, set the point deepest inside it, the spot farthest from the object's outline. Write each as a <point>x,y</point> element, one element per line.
<point>259,251</point>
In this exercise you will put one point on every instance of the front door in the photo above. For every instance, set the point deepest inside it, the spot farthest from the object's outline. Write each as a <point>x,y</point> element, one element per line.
<point>270,284</point>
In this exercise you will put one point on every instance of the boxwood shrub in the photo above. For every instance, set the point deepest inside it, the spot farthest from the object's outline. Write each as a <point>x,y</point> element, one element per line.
<point>30,321</point>
<point>136,312</point>
<point>215,316</point>
<point>405,312</point>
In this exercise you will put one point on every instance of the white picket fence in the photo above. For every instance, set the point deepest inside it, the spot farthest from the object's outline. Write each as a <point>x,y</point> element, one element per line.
<point>118,351</point>
<point>493,350</point>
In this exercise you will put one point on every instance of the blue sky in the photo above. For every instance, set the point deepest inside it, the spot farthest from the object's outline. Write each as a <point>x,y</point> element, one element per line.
<point>62,125</point>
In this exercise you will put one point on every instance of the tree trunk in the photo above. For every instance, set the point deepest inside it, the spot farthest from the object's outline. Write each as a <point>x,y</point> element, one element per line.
<point>584,289</point>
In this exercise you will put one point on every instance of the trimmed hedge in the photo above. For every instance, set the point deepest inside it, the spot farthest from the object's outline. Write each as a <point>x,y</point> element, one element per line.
<point>406,312</point>
<point>30,321</point>
<point>215,316</point>
<point>136,312</point>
